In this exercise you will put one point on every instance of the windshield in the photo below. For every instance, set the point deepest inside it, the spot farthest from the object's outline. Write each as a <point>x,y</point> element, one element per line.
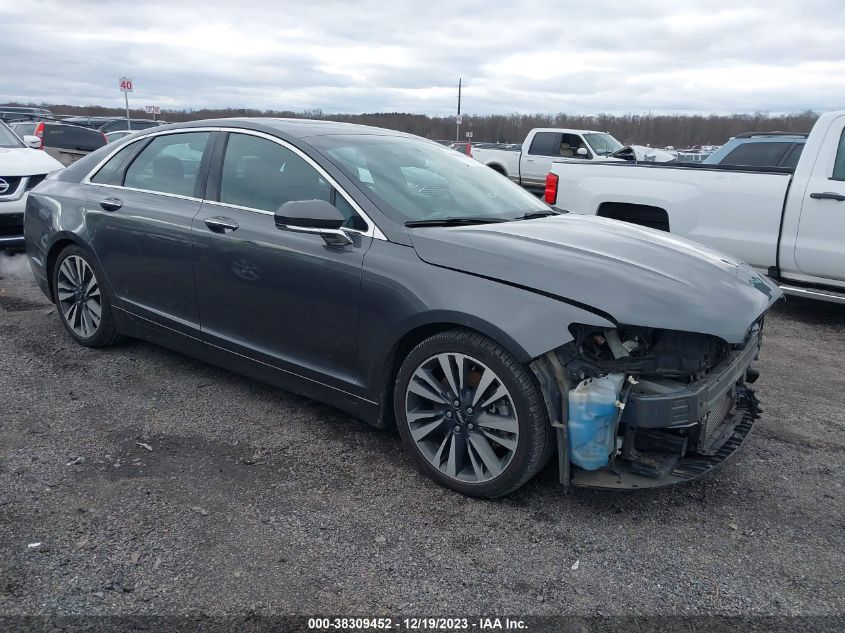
<point>413,179</point>
<point>602,144</point>
<point>8,138</point>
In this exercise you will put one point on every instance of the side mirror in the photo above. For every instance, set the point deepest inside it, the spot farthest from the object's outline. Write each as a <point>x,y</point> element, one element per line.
<point>582,151</point>
<point>32,141</point>
<point>313,216</point>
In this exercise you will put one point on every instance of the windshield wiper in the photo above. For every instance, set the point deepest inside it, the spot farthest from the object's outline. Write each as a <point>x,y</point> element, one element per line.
<point>453,221</point>
<point>530,215</point>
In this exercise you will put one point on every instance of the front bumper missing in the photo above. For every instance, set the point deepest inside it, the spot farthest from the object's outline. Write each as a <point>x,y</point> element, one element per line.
<point>12,207</point>
<point>11,229</point>
<point>678,408</point>
<point>688,429</point>
<point>621,475</point>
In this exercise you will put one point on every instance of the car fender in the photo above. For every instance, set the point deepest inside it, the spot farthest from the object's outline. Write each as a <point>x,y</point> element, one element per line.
<point>404,300</point>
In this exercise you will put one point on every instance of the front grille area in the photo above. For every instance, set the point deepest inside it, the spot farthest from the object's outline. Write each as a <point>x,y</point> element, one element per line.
<point>35,180</point>
<point>716,416</point>
<point>13,182</point>
<point>11,224</point>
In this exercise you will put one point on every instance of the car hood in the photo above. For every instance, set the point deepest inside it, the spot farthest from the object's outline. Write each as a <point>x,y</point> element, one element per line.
<point>638,276</point>
<point>25,161</point>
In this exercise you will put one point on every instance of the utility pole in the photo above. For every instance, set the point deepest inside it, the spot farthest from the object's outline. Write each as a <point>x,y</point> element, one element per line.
<point>458,118</point>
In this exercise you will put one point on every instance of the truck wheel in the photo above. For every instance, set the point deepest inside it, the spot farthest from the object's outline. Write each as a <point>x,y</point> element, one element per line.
<point>471,415</point>
<point>82,303</point>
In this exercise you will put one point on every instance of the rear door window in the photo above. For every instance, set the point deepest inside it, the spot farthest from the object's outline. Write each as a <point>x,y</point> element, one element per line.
<point>169,164</point>
<point>545,144</point>
<point>757,154</point>
<point>72,137</point>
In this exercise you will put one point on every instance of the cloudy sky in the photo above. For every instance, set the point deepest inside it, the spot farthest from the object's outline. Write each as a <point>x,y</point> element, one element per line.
<point>366,56</point>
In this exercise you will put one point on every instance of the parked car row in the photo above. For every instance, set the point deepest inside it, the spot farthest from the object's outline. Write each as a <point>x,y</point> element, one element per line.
<point>110,124</point>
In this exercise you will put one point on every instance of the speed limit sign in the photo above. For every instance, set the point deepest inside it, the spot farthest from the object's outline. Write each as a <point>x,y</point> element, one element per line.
<point>125,84</point>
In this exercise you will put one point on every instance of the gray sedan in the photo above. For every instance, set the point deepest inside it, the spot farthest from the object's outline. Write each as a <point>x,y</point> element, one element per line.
<point>410,285</point>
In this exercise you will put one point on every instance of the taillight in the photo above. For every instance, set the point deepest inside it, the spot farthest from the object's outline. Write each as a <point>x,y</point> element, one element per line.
<point>469,150</point>
<point>550,195</point>
<point>105,138</point>
<point>39,132</point>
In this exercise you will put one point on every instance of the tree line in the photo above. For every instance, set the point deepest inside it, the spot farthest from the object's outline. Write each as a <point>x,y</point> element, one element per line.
<point>659,130</point>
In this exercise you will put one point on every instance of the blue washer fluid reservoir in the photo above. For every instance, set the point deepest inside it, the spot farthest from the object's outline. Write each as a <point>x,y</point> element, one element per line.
<point>592,417</point>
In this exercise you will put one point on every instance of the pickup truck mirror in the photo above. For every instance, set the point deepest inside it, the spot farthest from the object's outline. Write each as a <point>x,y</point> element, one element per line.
<point>33,142</point>
<point>582,151</point>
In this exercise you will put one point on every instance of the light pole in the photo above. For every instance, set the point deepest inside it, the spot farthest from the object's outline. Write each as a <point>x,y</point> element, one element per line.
<point>458,118</point>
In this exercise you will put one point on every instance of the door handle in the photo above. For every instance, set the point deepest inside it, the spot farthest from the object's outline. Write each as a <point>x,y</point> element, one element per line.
<point>111,204</point>
<point>828,195</point>
<point>220,224</point>
<point>529,160</point>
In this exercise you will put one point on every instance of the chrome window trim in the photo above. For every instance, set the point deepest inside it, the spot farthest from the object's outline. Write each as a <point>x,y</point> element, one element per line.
<point>372,228</point>
<point>155,193</point>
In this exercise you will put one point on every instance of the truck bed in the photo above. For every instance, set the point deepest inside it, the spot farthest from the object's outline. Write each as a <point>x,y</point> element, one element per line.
<point>734,209</point>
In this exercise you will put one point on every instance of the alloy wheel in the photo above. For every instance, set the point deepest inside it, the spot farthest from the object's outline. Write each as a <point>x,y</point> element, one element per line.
<point>461,417</point>
<point>79,296</point>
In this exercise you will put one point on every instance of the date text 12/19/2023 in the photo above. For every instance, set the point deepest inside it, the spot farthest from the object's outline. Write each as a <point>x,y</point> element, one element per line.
<point>417,624</point>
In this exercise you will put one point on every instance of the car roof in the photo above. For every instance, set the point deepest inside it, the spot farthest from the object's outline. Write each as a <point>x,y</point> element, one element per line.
<point>294,128</point>
<point>568,130</point>
<point>772,135</point>
<point>781,138</point>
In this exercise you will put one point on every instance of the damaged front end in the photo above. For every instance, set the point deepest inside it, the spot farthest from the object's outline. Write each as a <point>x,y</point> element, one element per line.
<point>641,407</point>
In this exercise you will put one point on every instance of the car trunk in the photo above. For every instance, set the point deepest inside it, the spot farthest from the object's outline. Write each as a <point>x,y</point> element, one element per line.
<point>67,143</point>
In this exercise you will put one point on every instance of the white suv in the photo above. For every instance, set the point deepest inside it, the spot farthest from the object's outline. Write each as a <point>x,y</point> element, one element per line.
<point>21,168</point>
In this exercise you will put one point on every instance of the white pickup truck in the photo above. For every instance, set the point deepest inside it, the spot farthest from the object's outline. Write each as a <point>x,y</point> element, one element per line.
<point>528,167</point>
<point>787,223</point>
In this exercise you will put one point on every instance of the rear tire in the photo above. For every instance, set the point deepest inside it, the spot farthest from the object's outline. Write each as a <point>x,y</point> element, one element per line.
<point>82,302</point>
<point>497,436</point>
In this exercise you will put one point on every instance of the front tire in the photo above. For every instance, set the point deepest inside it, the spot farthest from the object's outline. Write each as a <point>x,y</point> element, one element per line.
<point>471,415</point>
<point>81,301</point>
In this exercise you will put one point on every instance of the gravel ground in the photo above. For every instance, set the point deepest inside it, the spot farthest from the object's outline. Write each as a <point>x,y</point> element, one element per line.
<point>157,484</point>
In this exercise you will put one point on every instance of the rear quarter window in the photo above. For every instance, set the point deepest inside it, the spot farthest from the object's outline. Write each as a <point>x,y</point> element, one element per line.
<point>71,137</point>
<point>112,172</point>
